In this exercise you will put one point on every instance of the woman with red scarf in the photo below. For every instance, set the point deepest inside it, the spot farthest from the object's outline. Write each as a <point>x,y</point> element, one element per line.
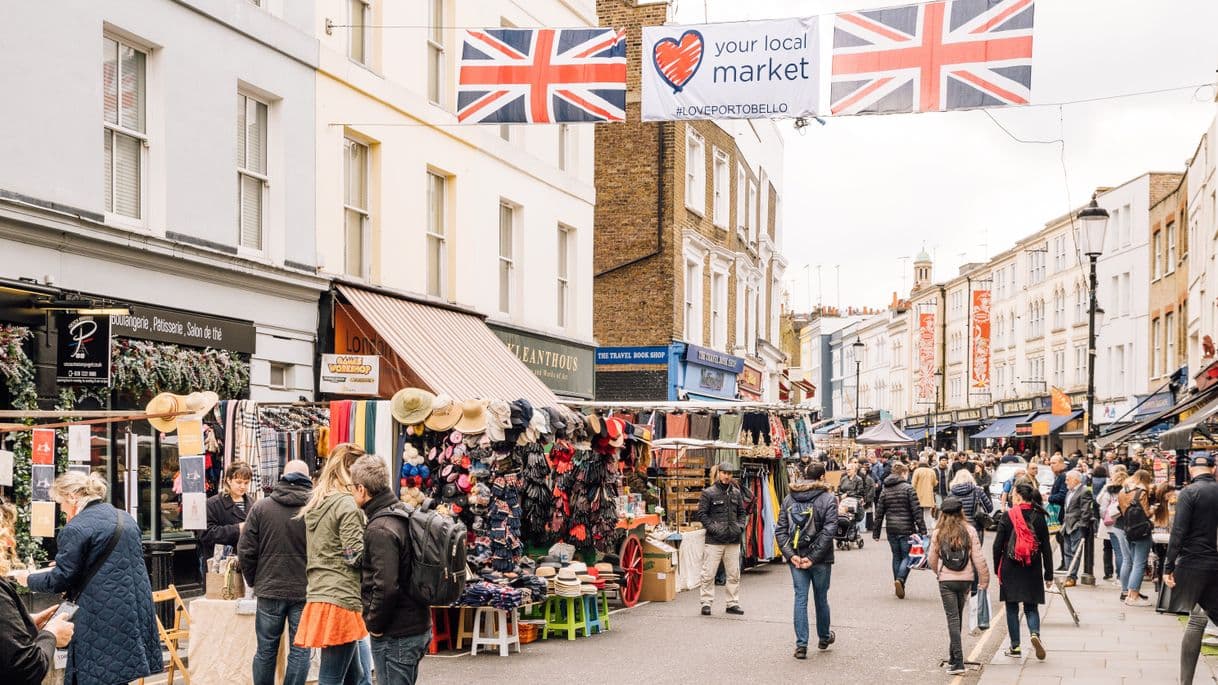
<point>1023,562</point>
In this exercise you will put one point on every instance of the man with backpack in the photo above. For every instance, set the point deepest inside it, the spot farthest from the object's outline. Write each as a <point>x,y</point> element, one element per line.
<point>400,624</point>
<point>899,503</point>
<point>1190,566</point>
<point>807,524</point>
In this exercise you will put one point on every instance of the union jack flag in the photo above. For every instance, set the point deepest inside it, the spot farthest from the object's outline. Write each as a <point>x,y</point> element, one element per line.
<point>956,54</point>
<point>542,76</point>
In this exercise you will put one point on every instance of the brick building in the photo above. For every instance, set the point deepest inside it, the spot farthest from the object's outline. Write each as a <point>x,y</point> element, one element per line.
<point>1168,279</point>
<point>688,269</point>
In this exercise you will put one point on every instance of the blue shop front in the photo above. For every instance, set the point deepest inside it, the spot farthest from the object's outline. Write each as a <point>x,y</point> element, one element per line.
<point>702,374</point>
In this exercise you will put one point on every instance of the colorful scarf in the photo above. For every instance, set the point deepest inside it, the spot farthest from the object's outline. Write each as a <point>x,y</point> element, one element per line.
<point>1025,541</point>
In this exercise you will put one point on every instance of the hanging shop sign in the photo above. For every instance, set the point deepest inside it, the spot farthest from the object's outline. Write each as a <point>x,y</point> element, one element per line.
<point>749,379</point>
<point>1153,404</point>
<point>732,70</point>
<point>704,356</point>
<point>981,340</point>
<point>82,349</point>
<point>656,355</point>
<point>926,356</point>
<point>185,328</point>
<point>565,368</point>
<point>350,374</point>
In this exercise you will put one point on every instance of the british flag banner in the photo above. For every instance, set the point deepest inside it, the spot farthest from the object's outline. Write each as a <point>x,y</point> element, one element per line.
<point>542,76</point>
<point>955,54</point>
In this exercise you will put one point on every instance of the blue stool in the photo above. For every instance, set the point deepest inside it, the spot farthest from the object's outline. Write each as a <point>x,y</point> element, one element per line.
<point>592,615</point>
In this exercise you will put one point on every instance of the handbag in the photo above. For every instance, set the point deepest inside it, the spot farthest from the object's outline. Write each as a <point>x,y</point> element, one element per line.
<point>73,594</point>
<point>983,610</point>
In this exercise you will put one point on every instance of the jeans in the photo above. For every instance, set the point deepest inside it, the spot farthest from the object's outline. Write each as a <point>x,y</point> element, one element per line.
<point>1133,570</point>
<point>268,627</point>
<point>900,556</point>
<point>1108,547</point>
<point>1070,547</point>
<point>365,660</point>
<point>397,658</point>
<point>1190,646</point>
<point>1031,613</point>
<point>340,665</point>
<point>928,519</point>
<point>818,577</point>
<point>1117,542</point>
<point>954,594</point>
<point>729,555</point>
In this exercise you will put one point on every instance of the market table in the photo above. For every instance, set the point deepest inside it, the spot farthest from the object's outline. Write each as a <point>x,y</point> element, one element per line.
<point>222,644</point>
<point>689,559</point>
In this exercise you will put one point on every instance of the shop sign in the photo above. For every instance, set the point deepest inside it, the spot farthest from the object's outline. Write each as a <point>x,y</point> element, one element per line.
<point>350,374</point>
<point>1154,404</point>
<point>657,355</point>
<point>704,356</point>
<point>1078,399</point>
<point>969,415</point>
<point>1109,412</point>
<point>83,349</point>
<point>710,379</point>
<point>917,421</point>
<point>565,368</point>
<point>943,418</point>
<point>1010,407</point>
<point>184,328</point>
<point>750,379</point>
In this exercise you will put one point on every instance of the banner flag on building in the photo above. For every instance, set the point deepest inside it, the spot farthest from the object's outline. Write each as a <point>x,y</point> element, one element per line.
<point>542,76</point>
<point>734,70</point>
<point>955,54</point>
<point>981,340</point>
<point>925,381</point>
<point>1060,402</point>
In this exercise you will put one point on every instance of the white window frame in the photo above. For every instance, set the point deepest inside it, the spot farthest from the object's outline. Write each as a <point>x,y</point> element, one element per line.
<point>1157,250</point>
<point>1156,339</point>
<point>693,300</point>
<point>720,184</point>
<point>718,309</point>
<point>566,247</point>
<point>742,207</point>
<point>741,322</point>
<point>436,235</point>
<point>753,210</point>
<point>436,92</point>
<point>695,172</point>
<point>285,371</point>
<point>359,28</point>
<point>112,130</point>
<point>1172,257</point>
<point>362,208</point>
<point>506,267</point>
<point>244,101</point>
<point>1169,342</point>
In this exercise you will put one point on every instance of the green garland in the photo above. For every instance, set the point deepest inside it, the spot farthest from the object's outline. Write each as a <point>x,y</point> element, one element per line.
<point>143,369</point>
<point>18,373</point>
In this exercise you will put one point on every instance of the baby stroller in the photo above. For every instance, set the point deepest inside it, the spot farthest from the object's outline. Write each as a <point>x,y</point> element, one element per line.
<point>849,516</point>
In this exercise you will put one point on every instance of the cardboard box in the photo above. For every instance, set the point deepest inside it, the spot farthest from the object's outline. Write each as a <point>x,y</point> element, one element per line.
<point>658,556</point>
<point>659,587</point>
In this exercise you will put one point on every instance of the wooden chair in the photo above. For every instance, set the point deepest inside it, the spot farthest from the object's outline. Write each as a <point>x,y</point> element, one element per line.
<point>172,636</point>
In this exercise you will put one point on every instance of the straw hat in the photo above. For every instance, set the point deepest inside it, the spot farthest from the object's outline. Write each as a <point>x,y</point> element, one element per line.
<point>165,403</point>
<point>473,417</point>
<point>444,414</point>
<point>567,575</point>
<point>202,402</point>
<point>546,572</point>
<point>411,406</point>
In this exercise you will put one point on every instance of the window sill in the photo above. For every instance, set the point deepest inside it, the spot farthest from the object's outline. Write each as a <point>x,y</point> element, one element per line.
<point>700,212</point>
<point>126,223</point>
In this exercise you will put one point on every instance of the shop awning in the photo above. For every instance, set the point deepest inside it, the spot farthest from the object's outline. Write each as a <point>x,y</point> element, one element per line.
<point>916,434</point>
<point>1144,425</point>
<point>830,425</point>
<point>699,397</point>
<point>1181,437</point>
<point>449,351</point>
<point>966,424</point>
<point>1056,421</point>
<point>1003,427</point>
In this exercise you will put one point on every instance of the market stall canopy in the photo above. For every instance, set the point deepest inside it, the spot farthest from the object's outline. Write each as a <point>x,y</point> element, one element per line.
<point>1181,437</point>
<point>450,351</point>
<point>1144,425</point>
<point>692,443</point>
<point>1001,428</point>
<point>884,433</point>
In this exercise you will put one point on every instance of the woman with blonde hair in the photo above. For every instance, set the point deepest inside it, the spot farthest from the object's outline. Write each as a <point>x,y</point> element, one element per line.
<point>332,619</point>
<point>1136,512</point>
<point>1115,547</point>
<point>973,498</point>
<point>100,566</point>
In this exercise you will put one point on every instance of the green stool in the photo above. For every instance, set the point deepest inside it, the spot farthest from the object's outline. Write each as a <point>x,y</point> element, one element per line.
<point>604,599</point>
<point>564,615</point>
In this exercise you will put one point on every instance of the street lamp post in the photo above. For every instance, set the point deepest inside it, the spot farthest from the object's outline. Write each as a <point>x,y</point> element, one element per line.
<point>1093,221</point>
<point>858,367</point>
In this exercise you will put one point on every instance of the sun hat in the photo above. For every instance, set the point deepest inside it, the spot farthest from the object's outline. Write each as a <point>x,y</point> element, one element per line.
<point>444,414</point>
<point>616,428</point>
<point>165,403</point>
<point>411,406</point>
<point>567,574</point>
<point>201,402</point>
<point>604,568</point>
<point>578,566</point>
<point>594,424</point>
<point>473,417</point>
<point>546,572</point>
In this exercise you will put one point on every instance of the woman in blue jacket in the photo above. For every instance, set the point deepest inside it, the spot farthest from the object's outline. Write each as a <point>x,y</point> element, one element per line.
<point>116,638</point>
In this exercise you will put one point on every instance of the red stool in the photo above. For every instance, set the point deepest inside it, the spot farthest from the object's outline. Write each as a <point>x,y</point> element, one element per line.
<point>441,630</point>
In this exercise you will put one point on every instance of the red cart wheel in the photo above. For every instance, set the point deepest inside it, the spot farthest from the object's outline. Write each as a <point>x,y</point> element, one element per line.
<point>632,571</point>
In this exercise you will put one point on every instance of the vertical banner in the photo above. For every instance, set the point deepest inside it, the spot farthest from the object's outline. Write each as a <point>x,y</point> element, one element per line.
<point>925,381</point>
<point>980,349</point>
<point>733,70</point>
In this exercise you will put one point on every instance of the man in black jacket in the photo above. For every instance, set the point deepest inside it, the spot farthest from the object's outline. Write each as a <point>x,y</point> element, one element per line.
<point>272,551</point>
<point>1190,566</point>
<point>899,503</point>
<point>807,524</point>
<point>400,626</point>
<point>722,512</point>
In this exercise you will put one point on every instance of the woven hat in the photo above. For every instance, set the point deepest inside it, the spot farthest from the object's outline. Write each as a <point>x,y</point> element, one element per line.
<point>473,417</point>
<point>201,402</point>
<point>587,589</point>
<point>604,568</point>
<point>445,413</point>
<point>593,421</point>
<point>411,406</point>
<point>165,403</point>
<point>546,572</point>
<point>578,567</point>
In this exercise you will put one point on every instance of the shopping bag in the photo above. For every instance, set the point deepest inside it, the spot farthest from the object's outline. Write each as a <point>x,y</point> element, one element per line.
<point>983,610</point>
<point>970,608</point>
<point>1055,518</point>
<point>917,550</point>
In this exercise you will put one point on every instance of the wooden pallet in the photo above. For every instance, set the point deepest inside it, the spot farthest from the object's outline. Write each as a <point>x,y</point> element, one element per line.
<point>680,494</point>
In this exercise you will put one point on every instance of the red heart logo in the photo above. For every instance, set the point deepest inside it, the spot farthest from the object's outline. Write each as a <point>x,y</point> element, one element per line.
<point>678,60</point>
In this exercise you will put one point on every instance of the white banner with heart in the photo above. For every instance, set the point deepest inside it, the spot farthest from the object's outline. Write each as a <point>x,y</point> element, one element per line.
<point>734,70</point>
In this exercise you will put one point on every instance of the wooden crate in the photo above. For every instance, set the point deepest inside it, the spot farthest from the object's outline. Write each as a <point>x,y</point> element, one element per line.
<point>680,490</point>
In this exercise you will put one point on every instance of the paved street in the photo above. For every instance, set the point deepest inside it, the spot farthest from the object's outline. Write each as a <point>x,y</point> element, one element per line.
<point>880,639</point>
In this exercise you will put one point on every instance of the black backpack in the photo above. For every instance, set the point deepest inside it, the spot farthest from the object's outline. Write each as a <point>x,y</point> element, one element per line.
<point>437,545</point>
<point>1137,524</point>
<point>954,558</point>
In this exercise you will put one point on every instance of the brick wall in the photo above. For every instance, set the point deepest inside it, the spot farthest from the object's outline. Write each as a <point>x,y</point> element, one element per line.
<point>1168,294</point>
<point>626,386</point>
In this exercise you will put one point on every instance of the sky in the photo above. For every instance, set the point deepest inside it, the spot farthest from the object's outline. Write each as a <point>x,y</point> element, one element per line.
<point>862,195</point>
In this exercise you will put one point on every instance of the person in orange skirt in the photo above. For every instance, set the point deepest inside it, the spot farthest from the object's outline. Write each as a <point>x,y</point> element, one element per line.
<point>333,614</point>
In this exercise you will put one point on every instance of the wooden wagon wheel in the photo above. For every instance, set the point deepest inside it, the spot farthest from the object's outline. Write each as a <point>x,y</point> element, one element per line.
<point>631,582</point>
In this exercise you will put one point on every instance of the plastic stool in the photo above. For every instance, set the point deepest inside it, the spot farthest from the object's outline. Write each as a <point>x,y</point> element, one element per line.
<point>592,615</point>
<point>604,597</point>
<point>501,628</point>
<point>439,617</point>
<point>465,627</point>
<point>564,615</point>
